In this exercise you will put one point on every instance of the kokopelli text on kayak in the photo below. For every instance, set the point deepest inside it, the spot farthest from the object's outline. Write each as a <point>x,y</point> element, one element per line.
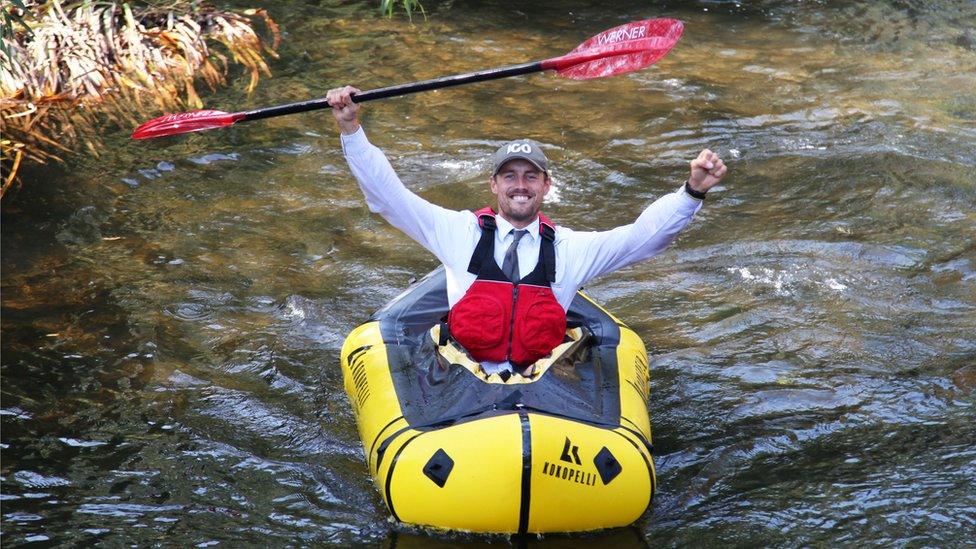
<point>621,35</point>
<point>570,474</point>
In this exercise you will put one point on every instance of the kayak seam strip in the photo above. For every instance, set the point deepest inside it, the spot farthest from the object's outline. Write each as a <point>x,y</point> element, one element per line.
<point>648,463</point>
<point>526,472</point>
<point>376,439</point>
<point>389,477</point>
<point>636,432</point>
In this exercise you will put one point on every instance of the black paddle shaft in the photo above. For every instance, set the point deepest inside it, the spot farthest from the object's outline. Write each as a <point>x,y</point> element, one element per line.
<point>402,89</point>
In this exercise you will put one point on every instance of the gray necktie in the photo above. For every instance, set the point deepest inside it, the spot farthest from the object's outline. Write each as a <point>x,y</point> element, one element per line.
<point>510,263</point>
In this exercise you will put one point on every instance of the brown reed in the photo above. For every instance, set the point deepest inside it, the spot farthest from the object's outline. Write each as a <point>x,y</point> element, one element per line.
<point>68,68</point>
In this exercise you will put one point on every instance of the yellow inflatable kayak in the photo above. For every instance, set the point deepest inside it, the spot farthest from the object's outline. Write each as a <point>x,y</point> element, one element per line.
<point>564,447</point>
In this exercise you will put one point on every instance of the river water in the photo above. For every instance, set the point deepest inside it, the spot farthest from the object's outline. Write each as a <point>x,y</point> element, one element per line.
<point>173,310</point>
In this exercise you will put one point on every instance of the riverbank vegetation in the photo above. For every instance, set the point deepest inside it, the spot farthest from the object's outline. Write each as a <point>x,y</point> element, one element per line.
<point>68,67</point>
<point>409,6</point>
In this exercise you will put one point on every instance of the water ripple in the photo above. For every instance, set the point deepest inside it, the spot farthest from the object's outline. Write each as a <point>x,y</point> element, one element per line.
<point>125,510</point>
<point>256,422</point>
<point>30,479</point>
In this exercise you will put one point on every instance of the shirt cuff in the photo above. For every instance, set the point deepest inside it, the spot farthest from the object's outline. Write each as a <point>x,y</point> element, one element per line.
<point>687,199</point>
<point>354,143</point>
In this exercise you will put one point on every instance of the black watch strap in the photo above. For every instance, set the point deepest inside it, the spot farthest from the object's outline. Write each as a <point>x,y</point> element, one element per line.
<point>693,193</point>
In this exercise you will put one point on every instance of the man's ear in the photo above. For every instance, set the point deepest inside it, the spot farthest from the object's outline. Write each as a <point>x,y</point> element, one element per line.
<point>493,185</point>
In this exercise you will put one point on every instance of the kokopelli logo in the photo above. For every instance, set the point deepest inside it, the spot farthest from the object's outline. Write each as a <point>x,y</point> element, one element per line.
<point>519,148</point>
<point>570,453</point>
<point>568,473</point>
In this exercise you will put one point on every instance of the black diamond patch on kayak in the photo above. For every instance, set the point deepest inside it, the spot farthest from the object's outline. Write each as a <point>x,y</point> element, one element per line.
<point>439,467</point>
<point>607,465</point>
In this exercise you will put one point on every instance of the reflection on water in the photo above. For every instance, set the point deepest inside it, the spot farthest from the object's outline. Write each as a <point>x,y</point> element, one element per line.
<point>172,312</point>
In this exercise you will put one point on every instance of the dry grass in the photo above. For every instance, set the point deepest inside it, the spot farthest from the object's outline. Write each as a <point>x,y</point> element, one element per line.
<point>69,68</point>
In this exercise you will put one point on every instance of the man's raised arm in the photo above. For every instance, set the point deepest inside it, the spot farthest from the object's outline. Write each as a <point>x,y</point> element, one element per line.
<point>655,228</point>
<point>385,193</point>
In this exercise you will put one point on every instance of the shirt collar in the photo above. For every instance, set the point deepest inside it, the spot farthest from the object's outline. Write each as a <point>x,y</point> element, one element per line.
<point>504,227</point>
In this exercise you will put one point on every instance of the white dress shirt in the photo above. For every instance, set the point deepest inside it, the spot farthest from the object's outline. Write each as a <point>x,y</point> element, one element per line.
<point>452,235</point>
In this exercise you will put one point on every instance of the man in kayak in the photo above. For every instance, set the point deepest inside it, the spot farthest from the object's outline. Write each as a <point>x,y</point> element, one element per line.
<point>511,273</point>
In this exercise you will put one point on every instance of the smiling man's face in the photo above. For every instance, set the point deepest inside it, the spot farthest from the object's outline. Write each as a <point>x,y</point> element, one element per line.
<point>520,187</point>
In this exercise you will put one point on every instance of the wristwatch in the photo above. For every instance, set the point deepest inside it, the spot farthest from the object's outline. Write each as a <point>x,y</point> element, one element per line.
<point>700,195</point>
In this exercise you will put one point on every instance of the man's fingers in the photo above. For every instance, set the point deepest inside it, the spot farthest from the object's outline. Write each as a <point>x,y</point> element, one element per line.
<point>334,97</point>
<point>714,160</point>
<point>339,98</point>
<point>347,93</point>
<point>707,170</point>
<point>718,173</point>
<point>703,165</point>
<point>707,161</point>
<point>717,165</point>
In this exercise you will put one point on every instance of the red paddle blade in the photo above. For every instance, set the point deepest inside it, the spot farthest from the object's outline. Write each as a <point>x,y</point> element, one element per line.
<point>186,122</point>
<point>619,50</point>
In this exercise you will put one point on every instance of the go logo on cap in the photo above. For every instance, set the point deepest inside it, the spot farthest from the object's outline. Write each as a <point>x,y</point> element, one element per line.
<point>522,148</point>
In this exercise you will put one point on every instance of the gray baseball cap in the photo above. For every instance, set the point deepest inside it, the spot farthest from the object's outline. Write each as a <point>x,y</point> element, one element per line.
<point>526,149</point>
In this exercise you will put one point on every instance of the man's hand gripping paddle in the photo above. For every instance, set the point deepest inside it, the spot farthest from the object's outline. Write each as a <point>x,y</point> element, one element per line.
<point>619,50</point>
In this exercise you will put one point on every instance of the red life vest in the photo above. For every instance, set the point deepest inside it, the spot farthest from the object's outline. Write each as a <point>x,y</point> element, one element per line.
<point>498,319</point>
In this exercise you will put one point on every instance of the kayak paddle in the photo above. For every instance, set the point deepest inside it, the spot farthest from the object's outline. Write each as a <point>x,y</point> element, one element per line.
<point>618,50</point>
